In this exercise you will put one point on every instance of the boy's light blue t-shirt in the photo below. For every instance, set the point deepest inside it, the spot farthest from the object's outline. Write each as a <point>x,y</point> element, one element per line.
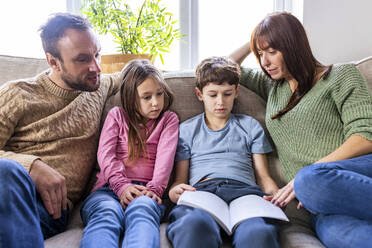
<point>225,153</point>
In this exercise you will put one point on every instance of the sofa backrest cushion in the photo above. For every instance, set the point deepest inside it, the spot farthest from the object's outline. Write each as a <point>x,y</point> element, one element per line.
<point>365,67</point>
<point>182,83</point>
<point>12,68</point>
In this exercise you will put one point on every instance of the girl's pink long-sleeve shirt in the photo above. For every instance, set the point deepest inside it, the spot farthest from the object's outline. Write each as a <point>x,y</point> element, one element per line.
<point>113,152</point>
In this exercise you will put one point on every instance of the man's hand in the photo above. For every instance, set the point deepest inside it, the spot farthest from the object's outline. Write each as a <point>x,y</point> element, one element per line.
<point>131,192</point>
<point>176,191</point>
<point>51,186</point>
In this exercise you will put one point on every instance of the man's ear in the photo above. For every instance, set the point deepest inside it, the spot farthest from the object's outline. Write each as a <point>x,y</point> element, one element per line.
<point>237,90</point>
<point>198,94</point>
<point>53,62</point>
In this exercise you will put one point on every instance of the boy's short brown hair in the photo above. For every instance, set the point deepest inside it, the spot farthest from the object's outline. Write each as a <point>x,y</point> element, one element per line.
<point>217,70</point>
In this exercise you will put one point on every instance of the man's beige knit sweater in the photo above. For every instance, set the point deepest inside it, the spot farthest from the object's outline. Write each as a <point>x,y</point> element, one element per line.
<point>38,119</point>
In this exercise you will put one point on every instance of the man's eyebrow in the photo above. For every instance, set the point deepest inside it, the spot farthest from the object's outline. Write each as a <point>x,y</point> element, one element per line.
<point>81,55</point>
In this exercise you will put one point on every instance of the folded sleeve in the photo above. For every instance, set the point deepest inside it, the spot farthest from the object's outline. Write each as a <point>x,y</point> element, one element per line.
<point>260,143</point>
<point>354,102</point>
<point>184,143</point>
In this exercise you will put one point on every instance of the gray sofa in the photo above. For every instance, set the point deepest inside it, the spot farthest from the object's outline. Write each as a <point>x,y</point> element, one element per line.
<point>297,233</point>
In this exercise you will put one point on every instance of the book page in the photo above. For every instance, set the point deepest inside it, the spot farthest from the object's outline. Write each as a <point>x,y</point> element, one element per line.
<point>250,206</point>
<point>210,203</point>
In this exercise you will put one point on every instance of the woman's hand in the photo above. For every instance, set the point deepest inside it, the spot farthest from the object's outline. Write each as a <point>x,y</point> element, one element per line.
<point>131,192</point>
<point>283,196</point>
<point>153,196</point>
<point>176,191</point>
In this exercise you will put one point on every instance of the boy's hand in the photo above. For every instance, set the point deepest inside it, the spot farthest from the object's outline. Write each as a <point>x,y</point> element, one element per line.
<point>153,196</point>
<point>131,192</point>
<point>176,191</point>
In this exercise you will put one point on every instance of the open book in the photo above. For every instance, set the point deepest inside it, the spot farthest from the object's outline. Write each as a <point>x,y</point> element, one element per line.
<point>230,216</point>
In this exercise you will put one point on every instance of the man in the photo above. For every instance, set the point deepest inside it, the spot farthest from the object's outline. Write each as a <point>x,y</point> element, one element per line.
<point>49,130</point>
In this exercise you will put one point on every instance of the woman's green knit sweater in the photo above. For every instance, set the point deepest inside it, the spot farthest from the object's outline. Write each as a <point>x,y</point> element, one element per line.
<point>333,110</point>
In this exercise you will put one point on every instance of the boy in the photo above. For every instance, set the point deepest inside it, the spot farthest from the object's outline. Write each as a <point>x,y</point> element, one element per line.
<point>216,153</point>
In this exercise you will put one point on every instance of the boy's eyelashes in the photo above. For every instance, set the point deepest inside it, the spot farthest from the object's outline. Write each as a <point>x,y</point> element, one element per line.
<point>215,95</point>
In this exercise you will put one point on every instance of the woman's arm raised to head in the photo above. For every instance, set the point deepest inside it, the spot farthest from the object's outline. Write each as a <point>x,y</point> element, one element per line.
<point>241,53</point>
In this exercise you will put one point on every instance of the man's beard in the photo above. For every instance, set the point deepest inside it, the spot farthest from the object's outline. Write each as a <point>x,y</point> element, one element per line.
<point>79,83</point>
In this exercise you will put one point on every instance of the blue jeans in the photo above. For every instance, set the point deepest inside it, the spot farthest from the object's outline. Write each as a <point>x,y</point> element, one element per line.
<point>24,220</point>
<point>106,220</point>
<point>192,227</point>
<point>340,193</point>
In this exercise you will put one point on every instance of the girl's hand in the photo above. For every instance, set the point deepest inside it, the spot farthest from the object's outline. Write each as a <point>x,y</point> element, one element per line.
<point>153,196</point>
<point>176,191</point>
<point>131,192</point>
<point>283,196</point>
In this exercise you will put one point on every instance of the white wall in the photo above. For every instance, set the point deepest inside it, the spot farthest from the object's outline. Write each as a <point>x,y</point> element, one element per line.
<point>339,30</point>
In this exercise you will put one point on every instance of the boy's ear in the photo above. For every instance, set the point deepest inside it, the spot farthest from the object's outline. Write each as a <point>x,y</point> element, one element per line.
<point>199,94</point>
<point>53,62</point>
<point>237,90</point>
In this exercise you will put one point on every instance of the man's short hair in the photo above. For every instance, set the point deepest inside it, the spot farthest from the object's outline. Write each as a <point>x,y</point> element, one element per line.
<point>54,29</point>
<point>218,70</point>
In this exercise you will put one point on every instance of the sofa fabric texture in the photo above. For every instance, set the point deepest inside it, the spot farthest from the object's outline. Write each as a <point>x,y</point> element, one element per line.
<point>298,233</point>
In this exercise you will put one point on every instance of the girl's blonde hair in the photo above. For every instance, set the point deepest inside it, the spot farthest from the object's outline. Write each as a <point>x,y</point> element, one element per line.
<point>135,72</point>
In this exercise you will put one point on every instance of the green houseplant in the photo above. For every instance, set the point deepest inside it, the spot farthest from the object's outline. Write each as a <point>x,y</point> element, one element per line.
<point>149,30</point>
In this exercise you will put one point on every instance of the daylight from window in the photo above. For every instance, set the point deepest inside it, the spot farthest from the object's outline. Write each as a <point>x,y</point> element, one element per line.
<point>20,21</point>
<point>227,25</point>
<point>223,27</point>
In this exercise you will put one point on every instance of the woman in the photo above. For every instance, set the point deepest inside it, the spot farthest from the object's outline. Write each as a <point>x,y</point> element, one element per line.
<point>320,118</point>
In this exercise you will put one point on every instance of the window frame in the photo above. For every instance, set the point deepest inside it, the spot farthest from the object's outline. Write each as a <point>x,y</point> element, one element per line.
<point>73,6</point>
<point>189,26</point>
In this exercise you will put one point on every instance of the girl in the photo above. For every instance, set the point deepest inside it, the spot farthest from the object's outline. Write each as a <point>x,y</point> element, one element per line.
<point>320,119</point>
<point>136,153</point>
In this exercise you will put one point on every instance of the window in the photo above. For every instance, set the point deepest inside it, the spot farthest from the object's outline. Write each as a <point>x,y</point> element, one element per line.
<point>172,59</point>
<point>211,27</point>
<point>21,20</point>
<point>225,27</point>
<point>218,27</point>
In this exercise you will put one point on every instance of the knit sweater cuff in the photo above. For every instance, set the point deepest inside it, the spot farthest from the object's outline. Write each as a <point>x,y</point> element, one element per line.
<point>26,160</point>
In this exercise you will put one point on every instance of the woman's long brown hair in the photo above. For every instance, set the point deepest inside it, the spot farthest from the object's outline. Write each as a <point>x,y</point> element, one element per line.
<point>135,72</point>
<point>284,32</point>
